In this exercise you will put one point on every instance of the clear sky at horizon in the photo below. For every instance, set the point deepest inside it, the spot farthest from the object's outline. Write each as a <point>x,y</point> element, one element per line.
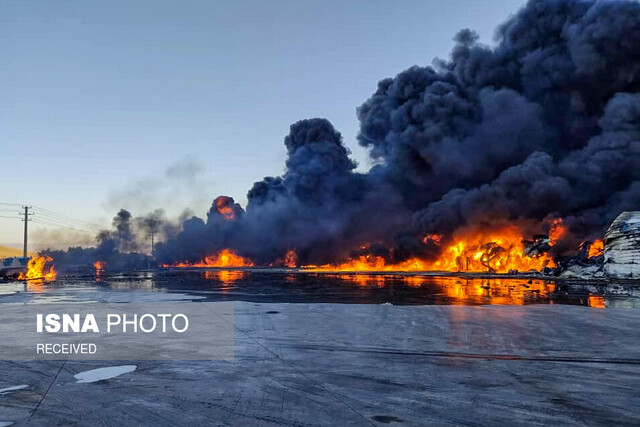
<point>167,104</point>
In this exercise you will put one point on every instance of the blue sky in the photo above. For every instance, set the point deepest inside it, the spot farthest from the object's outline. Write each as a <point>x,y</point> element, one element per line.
<point>148,104</point>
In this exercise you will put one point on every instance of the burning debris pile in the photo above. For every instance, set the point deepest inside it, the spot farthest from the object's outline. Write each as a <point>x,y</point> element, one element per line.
<point>499,159</point>
<point>499,251</point>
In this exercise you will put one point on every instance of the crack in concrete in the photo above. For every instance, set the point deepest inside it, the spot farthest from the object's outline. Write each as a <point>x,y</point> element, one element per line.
<point>46,391</point>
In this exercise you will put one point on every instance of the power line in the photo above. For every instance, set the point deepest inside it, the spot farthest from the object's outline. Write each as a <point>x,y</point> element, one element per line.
<point>46,217</point>
<point>65,222</point>
<point>66,217</point>
<point>26,222</point>
<point>58,218</point>
<point>61,225</point>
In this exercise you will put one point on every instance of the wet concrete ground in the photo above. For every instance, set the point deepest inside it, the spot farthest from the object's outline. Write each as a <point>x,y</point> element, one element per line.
<point>311,363</point>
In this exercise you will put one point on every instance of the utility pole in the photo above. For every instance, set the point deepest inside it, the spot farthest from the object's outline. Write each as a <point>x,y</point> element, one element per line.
<point>26,221</point>
<point>152,231</point>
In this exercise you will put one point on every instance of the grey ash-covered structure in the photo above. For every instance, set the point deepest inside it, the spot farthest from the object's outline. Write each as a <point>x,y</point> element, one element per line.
<point>622,246</point>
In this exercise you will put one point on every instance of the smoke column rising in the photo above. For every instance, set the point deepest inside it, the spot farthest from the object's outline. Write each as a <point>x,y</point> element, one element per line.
<point>546,124</point>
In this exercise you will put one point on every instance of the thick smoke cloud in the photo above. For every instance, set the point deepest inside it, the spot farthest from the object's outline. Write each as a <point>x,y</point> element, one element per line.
<point>319,207</point>
<point>545,124</point>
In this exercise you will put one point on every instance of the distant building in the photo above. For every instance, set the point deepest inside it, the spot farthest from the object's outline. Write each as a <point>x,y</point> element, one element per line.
<point>622,246</point>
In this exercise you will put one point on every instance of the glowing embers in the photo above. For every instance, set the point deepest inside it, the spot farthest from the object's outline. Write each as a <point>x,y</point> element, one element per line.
<point>39,268</point>
<point>223,259</point>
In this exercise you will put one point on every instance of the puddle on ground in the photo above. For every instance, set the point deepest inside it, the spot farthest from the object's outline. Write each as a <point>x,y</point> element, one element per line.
<point>13,388</point>
<point>100,374</point>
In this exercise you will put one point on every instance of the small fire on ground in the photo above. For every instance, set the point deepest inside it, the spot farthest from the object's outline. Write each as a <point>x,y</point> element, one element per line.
<point>99,266</point>
<point>39,268</point>
<point>222,259</point>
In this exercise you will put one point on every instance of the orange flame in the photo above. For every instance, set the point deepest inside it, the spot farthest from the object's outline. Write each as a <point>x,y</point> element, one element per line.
<point>36,269</point>
<point>596,248</point>
<point>289,260</point>
<point>496,251</point>
<point>222,259</point>
<point>435,238</point>
<point>557,230</point>
<point>596,301</point>
<point>99,266</point>
<point>223,208</point>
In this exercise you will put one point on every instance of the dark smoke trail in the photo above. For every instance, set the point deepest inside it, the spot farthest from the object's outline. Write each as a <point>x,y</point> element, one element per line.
<point>544,125</point>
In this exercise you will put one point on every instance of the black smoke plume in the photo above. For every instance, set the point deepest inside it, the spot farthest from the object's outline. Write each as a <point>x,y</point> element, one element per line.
<point>545,124</point>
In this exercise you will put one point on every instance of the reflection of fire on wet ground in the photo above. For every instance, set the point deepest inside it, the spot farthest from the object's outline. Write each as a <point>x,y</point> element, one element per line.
<point>226,278</point>
<point>464,291</point>
<point>402,289</point>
